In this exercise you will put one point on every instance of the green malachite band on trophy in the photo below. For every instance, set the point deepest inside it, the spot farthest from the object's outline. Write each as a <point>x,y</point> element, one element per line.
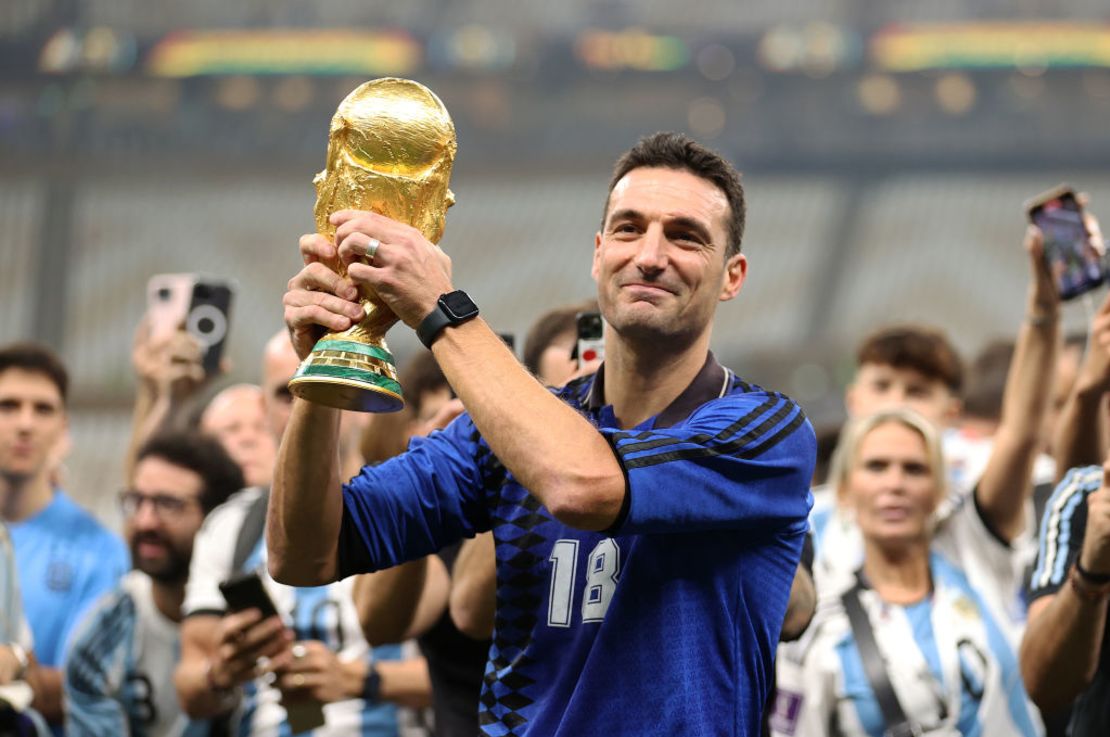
<point>352,347</point>
<point>361,375</point>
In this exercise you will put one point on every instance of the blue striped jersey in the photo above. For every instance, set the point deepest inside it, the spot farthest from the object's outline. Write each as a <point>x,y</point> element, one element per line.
<point>1061,538</point>
<point>664,624</point>
<point>119,670</point>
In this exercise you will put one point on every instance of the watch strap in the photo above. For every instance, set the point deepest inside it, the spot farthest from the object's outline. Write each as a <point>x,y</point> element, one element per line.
<point>432,325</point>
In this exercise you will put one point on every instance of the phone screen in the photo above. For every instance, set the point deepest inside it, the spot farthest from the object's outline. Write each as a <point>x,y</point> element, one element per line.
<point>1075,265</point>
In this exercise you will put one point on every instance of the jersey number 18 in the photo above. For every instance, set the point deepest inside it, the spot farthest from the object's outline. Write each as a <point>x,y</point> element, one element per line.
<point>602,574</point>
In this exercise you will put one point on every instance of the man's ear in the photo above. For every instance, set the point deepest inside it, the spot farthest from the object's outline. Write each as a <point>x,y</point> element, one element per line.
<point>736,270</point>
<point>595,267</point>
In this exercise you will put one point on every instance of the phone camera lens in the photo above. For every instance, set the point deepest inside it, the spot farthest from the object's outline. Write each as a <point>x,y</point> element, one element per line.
<point>164,293</point>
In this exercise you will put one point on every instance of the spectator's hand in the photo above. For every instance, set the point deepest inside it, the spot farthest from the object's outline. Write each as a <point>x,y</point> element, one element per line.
<point>170,366</point>
<point>441,419</point>
<point>1044,301</point>
<point>318,300</point>
<point>249,647</point>
<point>314,673</point>
<point>407,271</point>
<point>1095,556</point>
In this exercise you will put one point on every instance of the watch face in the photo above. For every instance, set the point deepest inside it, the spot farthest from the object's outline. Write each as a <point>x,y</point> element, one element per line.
<point>459,305</point>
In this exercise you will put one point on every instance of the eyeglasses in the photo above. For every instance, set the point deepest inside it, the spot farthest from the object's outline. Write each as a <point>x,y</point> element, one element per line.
<point>165,505</point>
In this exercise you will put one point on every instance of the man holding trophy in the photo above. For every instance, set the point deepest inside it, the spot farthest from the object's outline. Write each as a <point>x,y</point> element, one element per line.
<point>648,519</point>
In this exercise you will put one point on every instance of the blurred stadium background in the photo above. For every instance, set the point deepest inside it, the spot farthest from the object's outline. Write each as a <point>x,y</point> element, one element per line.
<point>887,147</point>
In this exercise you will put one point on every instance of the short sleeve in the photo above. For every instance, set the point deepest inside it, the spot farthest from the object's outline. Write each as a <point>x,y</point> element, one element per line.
<point>95,668</point>
<point>421,501</point>
<point>213,549</point>
<point>741,461</point>
<point>1062,527</point>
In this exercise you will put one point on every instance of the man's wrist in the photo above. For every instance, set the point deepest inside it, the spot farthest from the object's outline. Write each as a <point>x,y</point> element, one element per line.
<point>355,673</point>
<point>452,308</point>
<point>1085,590</point>
<point>1094,577</point>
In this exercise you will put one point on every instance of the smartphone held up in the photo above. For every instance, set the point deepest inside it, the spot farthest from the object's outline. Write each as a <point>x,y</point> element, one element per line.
<point>199,303</point>
<point>1077,264</point>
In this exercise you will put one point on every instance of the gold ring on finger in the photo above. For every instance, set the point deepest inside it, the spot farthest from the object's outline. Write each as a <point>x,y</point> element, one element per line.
<point>298,680</point>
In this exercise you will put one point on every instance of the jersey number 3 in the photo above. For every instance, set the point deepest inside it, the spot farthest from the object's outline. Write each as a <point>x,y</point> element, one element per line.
<point>602,573</point>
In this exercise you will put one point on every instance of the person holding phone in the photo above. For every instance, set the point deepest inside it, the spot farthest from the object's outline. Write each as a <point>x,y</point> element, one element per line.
<point>310,664</point>
<point>648,518</point>
<point>118,673</point>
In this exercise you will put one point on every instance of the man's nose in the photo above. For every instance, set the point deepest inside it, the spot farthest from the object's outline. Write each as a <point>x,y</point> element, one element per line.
<point>652,255</point>
<point>145,518</point>
<point>26,418</point>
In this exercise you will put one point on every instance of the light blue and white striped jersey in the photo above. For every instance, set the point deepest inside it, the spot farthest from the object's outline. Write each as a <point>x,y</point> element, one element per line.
<point>119,670</point>
<point>323,613</point>
<point>995,569</point>
<point>951,666</point>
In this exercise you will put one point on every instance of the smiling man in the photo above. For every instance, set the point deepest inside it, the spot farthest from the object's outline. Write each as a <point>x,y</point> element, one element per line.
<point>648,519</point>
<point>119,671</point>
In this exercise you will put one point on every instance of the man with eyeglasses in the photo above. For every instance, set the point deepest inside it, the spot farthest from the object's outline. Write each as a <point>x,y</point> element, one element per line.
<point>65,559</point>
<point>119,673</point>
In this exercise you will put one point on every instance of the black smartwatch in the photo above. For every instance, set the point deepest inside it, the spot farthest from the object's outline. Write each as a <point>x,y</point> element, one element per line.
<point>452,308</point>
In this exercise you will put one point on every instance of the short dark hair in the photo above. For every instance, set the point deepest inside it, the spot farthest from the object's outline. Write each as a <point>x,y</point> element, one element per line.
<point>986,381</point>
<point>38,359</point>
<point>676,151</point>
<point>549,326</point>
<point>419,375</point>
<point>202,455</point>
<point>917,347</point>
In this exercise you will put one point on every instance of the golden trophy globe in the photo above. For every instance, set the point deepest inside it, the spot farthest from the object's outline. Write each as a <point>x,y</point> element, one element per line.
<point>390,149</point>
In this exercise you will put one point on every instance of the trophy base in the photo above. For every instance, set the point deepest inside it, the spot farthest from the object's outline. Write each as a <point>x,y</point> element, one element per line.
<point>348,375</point>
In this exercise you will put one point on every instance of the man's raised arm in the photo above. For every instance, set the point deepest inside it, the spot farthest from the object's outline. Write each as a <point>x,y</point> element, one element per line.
<point>306,508</point>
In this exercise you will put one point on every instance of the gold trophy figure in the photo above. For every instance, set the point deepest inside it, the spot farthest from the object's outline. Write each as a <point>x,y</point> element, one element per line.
<point>390,149</point>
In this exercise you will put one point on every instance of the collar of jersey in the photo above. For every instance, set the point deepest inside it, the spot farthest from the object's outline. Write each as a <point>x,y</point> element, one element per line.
<point>707,385</point>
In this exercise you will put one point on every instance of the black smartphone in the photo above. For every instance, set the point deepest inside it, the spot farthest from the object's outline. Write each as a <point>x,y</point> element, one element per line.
<point>591,338</point>
<point>1076,266</point>
<point>209,317</point>
<point>246,591</point>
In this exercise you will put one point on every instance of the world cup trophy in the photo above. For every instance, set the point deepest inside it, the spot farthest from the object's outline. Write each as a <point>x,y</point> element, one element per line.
<point>391,146</point>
